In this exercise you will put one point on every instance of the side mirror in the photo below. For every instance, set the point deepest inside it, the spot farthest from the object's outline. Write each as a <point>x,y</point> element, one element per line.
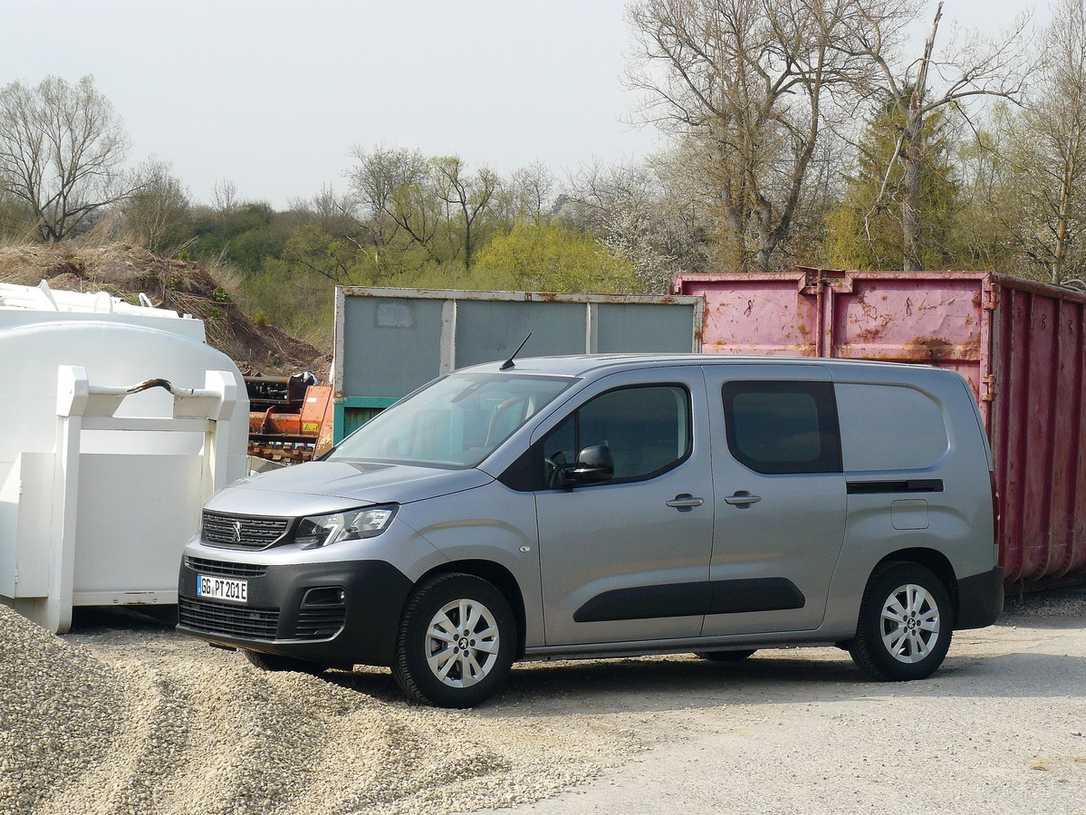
<point>594,466</point>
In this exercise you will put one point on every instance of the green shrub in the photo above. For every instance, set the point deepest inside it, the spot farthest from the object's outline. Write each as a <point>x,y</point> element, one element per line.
<point>550,257</point>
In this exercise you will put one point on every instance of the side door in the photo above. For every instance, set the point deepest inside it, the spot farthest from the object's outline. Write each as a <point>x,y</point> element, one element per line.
<point>780,497</point>
<point>627,559</point>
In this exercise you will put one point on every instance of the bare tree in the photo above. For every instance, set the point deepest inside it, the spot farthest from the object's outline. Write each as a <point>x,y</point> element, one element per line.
<point>62,149</point>
<point>950,78</point>
<point>468,195</point>
<point>330,206</point>
<point>394,185</point>
<point>533,189</point>
<point>748,79</point>
<point>1045,150</point>
<point>526,194</point>
<point>224,197</point>
<point>158,208</point>
<point>335,213</point>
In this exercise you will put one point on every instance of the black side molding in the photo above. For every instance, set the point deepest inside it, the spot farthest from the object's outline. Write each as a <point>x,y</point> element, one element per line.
<point>754,594</point>
<point>879,487</point>
<point>646,603</point>
<point>692,599</point>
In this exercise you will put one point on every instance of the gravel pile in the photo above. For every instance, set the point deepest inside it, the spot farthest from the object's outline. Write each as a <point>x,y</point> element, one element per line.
<point>58,710</point>
<point>147,721</point>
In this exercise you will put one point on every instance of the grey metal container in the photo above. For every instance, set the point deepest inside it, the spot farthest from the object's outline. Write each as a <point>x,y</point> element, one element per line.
<point>389,341</point>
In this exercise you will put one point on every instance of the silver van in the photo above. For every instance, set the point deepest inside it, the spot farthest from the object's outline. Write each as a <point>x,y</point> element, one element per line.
<point>597,506</point>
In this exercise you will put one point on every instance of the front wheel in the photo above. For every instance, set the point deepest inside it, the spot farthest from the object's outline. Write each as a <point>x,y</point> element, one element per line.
<point>906,622</point>
<point>456,642</point>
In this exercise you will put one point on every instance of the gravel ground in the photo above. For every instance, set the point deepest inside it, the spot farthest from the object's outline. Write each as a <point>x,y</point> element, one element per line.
<point>126,716</point>
<point>1001,728</point>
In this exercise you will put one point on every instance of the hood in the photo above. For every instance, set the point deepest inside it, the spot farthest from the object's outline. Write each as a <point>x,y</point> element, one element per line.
<point>365,482</point>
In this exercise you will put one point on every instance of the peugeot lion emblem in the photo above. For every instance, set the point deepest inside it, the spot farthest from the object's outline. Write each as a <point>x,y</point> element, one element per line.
<point>237,531</point>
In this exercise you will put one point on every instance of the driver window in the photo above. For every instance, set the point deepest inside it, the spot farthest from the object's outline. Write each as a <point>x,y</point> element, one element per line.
<point>646,428</point>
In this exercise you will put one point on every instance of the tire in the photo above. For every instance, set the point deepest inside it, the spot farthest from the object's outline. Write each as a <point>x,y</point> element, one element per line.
<point>277,662</point>
<point>892,650</point>
<point>424,668</point>
<point>725,656</point>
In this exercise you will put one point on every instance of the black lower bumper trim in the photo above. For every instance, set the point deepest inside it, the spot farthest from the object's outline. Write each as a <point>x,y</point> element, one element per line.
<point>980,599</point>
<point>374,593</point>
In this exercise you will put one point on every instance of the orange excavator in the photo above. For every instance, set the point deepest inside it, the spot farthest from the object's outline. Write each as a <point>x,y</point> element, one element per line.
<point>290,417</point>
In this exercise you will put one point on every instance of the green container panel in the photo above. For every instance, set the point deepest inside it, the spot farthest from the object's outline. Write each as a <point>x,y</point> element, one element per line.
<point>391,341</point>
<point>354,418</point>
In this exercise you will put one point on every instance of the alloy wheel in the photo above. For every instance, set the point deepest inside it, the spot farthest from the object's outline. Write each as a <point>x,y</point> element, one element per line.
<point>910,623</point>
<point>462,643</point>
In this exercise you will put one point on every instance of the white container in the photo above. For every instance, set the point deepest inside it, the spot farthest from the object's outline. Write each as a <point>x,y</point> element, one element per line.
<point>100,489</point>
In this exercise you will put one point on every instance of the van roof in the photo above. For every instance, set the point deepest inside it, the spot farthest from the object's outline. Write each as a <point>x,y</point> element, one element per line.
<point>584,364</point>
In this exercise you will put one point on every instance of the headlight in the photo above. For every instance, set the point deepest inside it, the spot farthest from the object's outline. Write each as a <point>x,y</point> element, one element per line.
<point>321,530</point>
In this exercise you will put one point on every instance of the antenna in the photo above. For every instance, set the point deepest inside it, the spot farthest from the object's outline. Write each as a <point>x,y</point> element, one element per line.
<point>509,362</point>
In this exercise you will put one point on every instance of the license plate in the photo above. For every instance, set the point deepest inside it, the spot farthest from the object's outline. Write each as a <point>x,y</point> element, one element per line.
<point>219,588</point>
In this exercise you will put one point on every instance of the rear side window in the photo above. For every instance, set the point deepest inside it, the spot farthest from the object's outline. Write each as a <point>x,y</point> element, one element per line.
<point>889,427</point>
<point>783,427</point>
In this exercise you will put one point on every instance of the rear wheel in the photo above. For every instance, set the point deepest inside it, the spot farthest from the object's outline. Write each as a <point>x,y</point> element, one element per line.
<point>725,656</point>
<point>906,623</point>
<point>456,642</point>
<point>277,662</point>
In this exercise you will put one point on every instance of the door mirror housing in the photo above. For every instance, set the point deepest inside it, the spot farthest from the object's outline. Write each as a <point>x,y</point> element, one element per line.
<point>594,466</point>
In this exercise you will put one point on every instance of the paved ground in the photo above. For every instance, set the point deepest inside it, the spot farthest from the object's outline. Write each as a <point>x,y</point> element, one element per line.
<point>1002,728</point>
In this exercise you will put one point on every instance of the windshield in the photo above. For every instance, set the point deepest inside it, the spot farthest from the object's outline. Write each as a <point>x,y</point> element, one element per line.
<point>456,422</point>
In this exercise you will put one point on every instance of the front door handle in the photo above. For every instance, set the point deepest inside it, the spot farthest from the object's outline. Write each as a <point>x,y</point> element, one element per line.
<point>742,499</point>
<point>684,500</point>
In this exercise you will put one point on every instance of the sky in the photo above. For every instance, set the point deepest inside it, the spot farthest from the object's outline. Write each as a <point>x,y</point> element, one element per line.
<point>273,96</point>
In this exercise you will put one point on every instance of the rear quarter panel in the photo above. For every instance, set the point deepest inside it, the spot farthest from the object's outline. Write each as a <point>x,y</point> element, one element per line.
<point>958,522</point>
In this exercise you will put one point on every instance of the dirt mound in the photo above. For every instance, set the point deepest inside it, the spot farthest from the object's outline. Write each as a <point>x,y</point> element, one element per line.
<point>184,286</point>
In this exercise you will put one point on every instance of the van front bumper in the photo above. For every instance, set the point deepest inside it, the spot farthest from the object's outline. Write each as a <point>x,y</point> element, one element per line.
<point>353,621</point>
<point>980,599</point>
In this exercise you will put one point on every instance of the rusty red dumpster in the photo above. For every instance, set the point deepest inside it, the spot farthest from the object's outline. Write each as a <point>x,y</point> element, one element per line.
<point>1020,344</point>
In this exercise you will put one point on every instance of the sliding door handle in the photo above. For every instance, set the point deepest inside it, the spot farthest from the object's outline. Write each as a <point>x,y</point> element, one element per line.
<point>742,499</point>
<point>684,501</point>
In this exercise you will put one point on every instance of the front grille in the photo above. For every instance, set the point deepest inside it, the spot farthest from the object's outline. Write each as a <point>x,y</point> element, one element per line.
<point>235,621</point>
<point>221,567</point>
<point>319,622</point>
<point>240,531</point>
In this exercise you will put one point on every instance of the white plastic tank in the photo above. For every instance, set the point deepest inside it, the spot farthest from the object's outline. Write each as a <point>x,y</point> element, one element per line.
<point>142,467</point>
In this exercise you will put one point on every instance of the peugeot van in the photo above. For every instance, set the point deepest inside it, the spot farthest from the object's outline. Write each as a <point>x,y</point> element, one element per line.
<point>602,506</point>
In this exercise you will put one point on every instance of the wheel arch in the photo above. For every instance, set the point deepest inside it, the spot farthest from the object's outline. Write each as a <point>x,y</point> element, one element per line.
<point>932,559</point>
<point>497,574</point>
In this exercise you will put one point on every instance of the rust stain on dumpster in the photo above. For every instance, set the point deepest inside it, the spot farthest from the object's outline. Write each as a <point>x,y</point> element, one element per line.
<point>930,349</point>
